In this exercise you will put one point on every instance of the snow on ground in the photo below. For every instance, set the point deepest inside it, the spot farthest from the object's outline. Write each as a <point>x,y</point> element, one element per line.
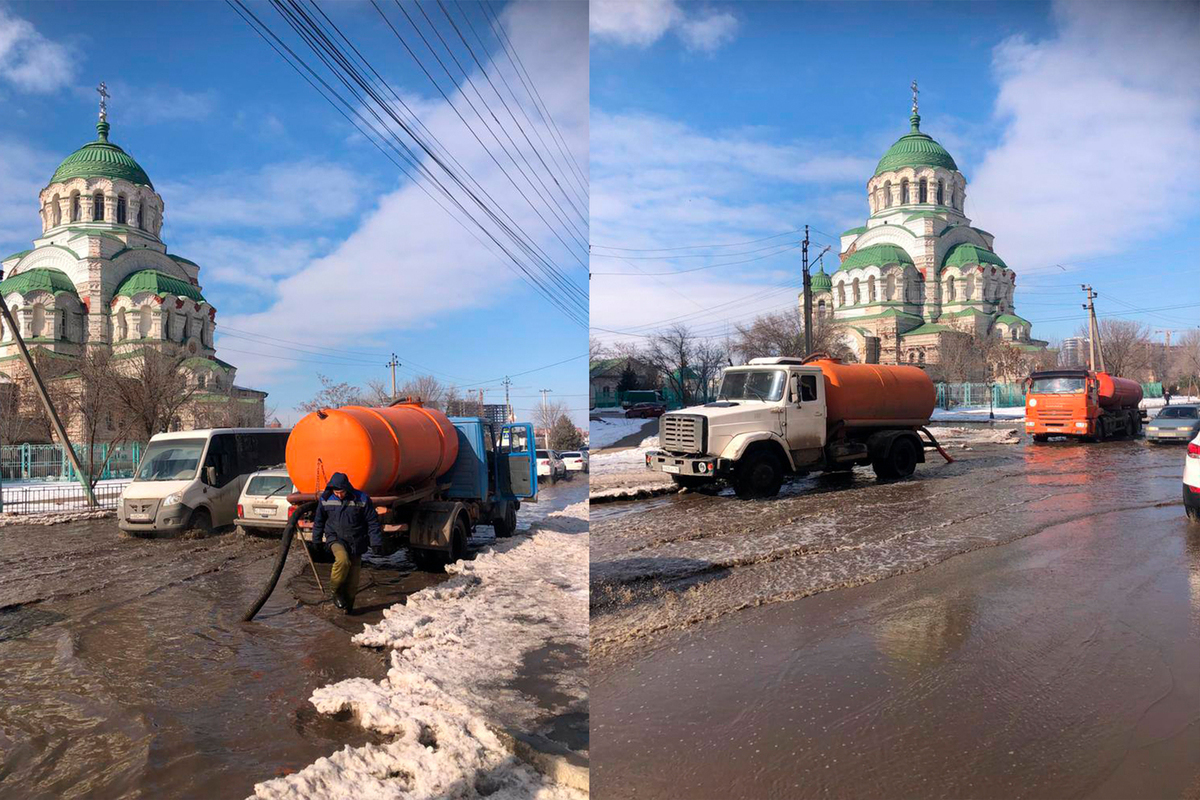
<point>1176,400</point>
<point>976,414</point>
<point>604,432</point>
<point>456,649</point>
<point>964,438</point>
<point>623,474</point>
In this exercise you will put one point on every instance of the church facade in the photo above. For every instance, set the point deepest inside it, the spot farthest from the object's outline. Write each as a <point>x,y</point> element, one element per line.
<point>919,271</point>
<point>100,276</point>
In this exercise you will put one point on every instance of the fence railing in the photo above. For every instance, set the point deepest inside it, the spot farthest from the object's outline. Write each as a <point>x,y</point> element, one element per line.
<point>47,498</point>
<point>1004,395</point>
<point>48,462</point>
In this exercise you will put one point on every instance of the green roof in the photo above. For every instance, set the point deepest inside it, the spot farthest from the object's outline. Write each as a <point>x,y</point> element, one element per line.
<point>21,254</point>
<point>923,215</point>
<point>929,327</point>
<point>821,282</point>
<point>151,280</point>
<point>963,254</point>
<point>103,159</point>
<point>209,363</point>
<point>876,255</point>
<point>915,149</point>
<point>1009,319</point>
<point>855,231</point>
<point>42,279</point>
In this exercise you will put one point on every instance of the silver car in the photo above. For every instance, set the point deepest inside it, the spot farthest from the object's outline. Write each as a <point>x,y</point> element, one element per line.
<point>1174,424</point>
<point>263,506</point>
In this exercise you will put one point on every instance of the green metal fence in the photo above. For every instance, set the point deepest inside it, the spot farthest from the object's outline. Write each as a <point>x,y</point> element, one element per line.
<point>1003,395</point>
<point>48,462</point>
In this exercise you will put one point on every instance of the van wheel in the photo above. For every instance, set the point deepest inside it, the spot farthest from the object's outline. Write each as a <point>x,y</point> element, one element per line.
<point>506,525</point>
<point>200,524</point>
<point>758,475</point>
<point>900,461</point>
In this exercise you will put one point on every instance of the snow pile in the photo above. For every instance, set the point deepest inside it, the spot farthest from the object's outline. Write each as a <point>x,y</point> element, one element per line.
<point>977,413</point>
<point>1176,400</point>
<point>55,517</point>
<point>962,437</point>
<point>605,432</point>
<point>456,649</point>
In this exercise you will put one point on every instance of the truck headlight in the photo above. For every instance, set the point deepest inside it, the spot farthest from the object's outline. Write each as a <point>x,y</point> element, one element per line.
<point>1029,424</point>
<point>1033,401</point>
<point>1080,424</point>
<point>172,499</point>
<point>702,467</point>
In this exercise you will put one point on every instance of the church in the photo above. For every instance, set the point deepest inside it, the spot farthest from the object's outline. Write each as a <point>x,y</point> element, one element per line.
<point>918,270</point>
<point>100,276</point>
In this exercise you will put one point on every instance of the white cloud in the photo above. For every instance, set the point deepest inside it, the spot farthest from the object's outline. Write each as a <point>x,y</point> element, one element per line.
<point>409,263</point>
<point>24,171</point>
<point>158,103</point>
<point>1101,143</point>
<point>30,61</point>
<point>641,23</point>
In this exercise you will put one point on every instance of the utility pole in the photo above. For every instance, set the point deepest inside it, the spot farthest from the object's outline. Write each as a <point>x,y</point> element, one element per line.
<point>1094,345</point>
<point>59,430</point>
<point>393,364</point>
<point>508,415</point>
<point>544,420</point>
<point>807,297</point>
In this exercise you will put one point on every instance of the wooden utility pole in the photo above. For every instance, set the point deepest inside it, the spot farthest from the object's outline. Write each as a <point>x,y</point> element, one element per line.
<point>55,422</point>
<point>807,296</point>
<point>1094,346</point>
<point>393,364</point>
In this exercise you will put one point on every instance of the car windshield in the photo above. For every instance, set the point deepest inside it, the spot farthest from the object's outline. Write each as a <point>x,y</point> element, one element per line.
<point>1057,385</point>
<point>269,486</point>
<point>753,385</point>
<point>174,460</point>
<point>1180,412</point>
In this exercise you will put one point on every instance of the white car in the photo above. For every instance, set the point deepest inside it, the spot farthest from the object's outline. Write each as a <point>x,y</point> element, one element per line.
<point>549,465</point>
<point>576,461</point>
<point>1191,480</point>
<point>263,506</point>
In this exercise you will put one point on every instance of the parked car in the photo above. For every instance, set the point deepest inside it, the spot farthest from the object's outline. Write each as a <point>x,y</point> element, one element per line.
<point>1174,424</point>
<point>550,465</point>
<point>263,506</point>
<point>1191,480</point>
<point>646,410</point>
<point>576,461</point>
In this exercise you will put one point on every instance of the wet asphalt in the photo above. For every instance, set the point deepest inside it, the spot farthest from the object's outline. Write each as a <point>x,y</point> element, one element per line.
<point>1023,623</point>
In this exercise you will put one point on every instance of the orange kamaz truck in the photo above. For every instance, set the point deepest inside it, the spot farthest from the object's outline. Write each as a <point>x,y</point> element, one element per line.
<point>1082,404</point>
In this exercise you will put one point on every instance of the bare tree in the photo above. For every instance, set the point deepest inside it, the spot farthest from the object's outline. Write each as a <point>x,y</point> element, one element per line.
<point>1126,347</point>
<point>709,357</point>
<point>671,353</point>
<point>597,350</point>
<point>427,388</point>
<point>1187,360</point>
<point>334,395</point>
<point>95,408</point>
<point>152,389</point>
<point>548,415</point>
<point>961,356</point>
<point>782,334</point>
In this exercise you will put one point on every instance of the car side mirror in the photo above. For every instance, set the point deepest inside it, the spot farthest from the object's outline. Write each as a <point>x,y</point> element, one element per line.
<point>794,390</point>
<point>210,476</point>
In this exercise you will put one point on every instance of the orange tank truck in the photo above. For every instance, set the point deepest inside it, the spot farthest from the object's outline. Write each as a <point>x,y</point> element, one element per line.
<point>433,478</point>
<point>379,449</point>
<point>786,416</point>
<point>1081,404</point>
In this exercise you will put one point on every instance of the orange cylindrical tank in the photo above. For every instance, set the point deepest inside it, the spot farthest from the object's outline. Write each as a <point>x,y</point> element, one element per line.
<point>379,449</point>
<point>1118,392</point>
<point>872,394</point>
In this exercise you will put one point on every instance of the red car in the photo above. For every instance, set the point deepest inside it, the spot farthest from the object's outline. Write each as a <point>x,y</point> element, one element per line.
<point>645,410</point>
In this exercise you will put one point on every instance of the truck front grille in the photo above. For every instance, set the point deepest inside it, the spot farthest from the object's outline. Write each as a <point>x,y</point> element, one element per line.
<point>680,433</point>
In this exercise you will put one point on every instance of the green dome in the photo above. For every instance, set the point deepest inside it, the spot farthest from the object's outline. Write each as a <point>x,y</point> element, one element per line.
<point>877,255</point>
<point>151,280</point>
<point>915,149</point>
<point>39,279</point>
<point>821,282</point>
<point>963,254</point>
<point>101,159</point>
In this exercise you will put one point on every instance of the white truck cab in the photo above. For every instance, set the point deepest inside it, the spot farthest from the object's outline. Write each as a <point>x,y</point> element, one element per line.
<point>192,479</point>
<point>770,418</point>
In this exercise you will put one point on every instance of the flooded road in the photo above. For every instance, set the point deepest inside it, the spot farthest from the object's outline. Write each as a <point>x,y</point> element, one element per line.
<point>125,671</point>
<point>1058,656</point>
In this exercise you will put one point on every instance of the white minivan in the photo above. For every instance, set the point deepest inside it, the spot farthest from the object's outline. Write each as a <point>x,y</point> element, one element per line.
<point>192,479</point>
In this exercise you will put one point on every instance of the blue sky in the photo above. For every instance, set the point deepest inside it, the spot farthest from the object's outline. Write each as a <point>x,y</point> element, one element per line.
<point>1077,126</point>
<point>304,232</point>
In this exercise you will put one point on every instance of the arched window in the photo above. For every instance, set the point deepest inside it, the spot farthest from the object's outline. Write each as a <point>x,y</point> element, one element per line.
<point>912,356</point>
<point>904,192</point>
<point>889,288</point>
<point>820,308</point>
<point>871,289</point>
<point>857,295</point>
<point>121,210</point>
<point>141,216</point>
<point>921,357</point>
<point>923,191</point>
<point>201,380</point>
<point>98,207</point>
<point>969,292</point>
<point>144,322</point>
<point>37,322</point>
<point>1013,331</point>
<point>841,294</point>
<point>122,326</point>
<point>887,195</point>
<point>56,213</point>
<point>950,289</point>
<point>940,195</point>
<point>75,207</point>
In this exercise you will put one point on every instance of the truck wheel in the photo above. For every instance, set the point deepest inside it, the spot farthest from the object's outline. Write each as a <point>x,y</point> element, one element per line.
<point>1041,438</point>
<point>1101,430</point>
<point>506,525</point>
<point>758,475</point>
<point>900,461</point>
<point>428,560</point>
<point>690,481</point>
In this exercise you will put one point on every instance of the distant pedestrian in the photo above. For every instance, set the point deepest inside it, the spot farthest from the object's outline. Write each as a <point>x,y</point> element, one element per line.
<point>1167,396</point>
<point>347,518</point>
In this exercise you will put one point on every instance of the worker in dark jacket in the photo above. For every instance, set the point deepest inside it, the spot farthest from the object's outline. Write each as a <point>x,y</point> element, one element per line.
<point>347,518</point>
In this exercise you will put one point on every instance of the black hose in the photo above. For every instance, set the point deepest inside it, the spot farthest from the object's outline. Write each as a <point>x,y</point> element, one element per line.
<point>284,545</point>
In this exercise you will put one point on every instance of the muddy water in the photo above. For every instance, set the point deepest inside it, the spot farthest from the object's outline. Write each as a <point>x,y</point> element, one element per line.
<point>1063,664</point>
<point>125,671</point>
